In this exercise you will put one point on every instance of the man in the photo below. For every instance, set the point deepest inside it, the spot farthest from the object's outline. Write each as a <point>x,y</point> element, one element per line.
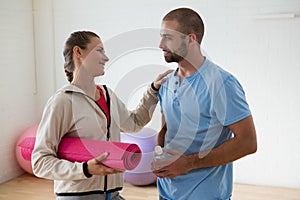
<point>207,123</point>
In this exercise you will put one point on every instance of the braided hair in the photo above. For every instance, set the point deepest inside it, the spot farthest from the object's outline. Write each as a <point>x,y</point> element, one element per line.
<point>80,39</point>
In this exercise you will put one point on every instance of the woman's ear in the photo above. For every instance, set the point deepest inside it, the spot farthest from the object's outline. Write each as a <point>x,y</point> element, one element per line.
<point>77,51</point>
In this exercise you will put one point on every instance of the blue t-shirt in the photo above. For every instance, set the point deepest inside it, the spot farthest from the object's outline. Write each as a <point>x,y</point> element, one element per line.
<point>197,114</point>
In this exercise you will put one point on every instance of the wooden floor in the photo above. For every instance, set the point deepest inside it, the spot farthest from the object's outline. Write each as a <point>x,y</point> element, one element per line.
<point>28,187</point>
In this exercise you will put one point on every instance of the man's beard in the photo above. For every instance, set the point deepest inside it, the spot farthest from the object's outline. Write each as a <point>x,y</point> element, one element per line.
<point>178,55</point>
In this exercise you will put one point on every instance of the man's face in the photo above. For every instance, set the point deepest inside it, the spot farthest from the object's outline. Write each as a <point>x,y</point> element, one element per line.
<point>173,43</point>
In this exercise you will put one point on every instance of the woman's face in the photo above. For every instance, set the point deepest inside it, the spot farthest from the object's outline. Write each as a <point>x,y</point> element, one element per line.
<point>94,58</point>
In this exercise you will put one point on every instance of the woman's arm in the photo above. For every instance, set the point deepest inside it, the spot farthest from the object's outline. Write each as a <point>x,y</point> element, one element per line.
<point>133,121</point>
<point>55,121</point>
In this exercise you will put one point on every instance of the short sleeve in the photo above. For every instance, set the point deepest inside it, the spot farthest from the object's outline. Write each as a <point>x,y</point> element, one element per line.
<point>230,103</point>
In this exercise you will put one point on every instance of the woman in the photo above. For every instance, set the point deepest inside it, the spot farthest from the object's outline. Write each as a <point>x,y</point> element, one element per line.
<point>86,110</point>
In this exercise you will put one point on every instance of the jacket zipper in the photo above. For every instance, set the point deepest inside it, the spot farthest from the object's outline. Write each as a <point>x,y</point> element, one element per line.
<point>108,127</point>
<point>108,121</point>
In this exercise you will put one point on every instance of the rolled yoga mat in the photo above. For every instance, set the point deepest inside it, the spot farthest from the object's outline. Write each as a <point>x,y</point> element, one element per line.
<point>123,156</point>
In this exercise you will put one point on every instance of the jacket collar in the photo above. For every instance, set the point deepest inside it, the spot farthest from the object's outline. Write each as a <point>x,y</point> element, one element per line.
<point>69,88</point>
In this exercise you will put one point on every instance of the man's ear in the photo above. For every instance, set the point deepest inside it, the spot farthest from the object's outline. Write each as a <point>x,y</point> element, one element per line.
<point>192,37</point>
<point>77,51</point>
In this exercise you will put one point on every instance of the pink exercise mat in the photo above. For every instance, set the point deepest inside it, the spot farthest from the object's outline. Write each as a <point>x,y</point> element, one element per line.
<point>123,156</point>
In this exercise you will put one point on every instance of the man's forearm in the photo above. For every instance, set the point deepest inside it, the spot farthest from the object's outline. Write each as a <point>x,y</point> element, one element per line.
<point>227,152</point>
<point>161,135</point>
<point>243,143</point>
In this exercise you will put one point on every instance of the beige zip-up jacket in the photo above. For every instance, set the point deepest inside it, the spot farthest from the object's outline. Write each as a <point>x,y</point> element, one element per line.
<point>71,113</point>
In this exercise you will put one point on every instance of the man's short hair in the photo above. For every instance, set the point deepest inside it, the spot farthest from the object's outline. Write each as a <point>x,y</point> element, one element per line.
<point>188,20</point>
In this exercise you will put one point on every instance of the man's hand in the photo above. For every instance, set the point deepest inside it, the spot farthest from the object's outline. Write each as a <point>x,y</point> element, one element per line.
<point>160,79</point>
<point>177,165</point>
<point>95,167</point>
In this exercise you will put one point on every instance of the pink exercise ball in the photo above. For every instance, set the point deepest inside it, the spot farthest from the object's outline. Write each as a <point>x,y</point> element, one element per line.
<point>146,139</point>
<point>25,163</point>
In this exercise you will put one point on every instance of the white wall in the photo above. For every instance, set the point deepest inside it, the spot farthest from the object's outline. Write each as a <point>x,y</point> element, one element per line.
<point>44,40</point>
<point>17,80</point>
<point>263,53</point>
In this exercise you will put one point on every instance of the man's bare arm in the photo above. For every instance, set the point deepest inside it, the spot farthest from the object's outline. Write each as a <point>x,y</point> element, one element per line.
<point>162,132</point>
